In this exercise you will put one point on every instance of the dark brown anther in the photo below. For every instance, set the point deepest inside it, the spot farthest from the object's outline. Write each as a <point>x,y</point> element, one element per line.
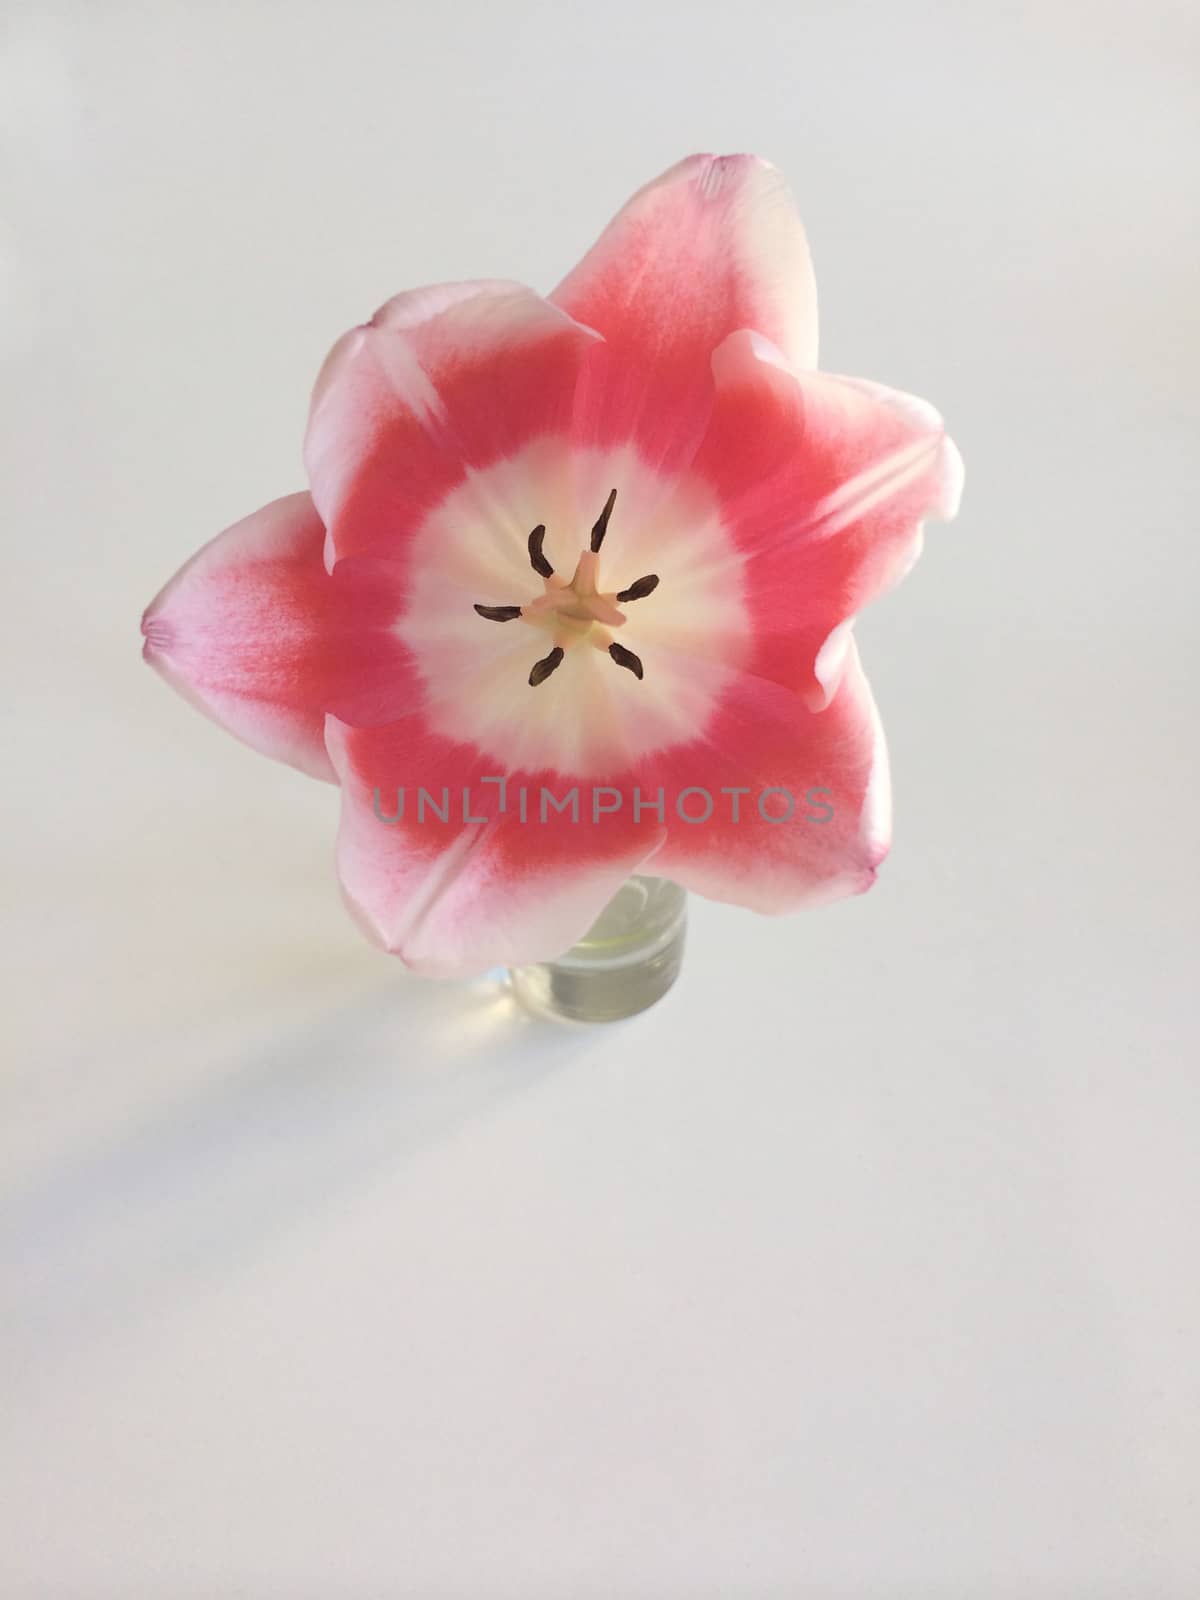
<point>543,668</point>
<point>536,559</point>
<point>626,658</point>
<point>601,527</point>
<point>640,589</point>
<point>499,613</point>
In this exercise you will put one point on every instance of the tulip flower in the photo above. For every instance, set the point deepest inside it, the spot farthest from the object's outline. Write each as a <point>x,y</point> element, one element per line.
<point>609,543</point>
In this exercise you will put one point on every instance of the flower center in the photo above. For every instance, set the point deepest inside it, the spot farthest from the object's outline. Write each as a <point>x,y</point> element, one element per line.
<point>576,612</point>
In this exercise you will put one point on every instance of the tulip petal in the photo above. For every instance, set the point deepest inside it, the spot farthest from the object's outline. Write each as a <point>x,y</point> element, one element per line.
<point>713,245</point>
<point>440,382</point>
<point>814,815</point>
<point>258,635</point>
<point>453,897</point>
<point>824,483</point>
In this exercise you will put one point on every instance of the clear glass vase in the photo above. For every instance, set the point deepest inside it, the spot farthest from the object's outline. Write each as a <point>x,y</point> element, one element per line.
<point>625,962</point>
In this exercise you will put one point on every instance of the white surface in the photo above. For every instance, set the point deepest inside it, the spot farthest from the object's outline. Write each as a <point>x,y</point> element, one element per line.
<point>866,1265</point>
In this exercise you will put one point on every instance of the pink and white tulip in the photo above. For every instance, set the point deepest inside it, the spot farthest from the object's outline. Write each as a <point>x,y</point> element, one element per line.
<point>614,538</point>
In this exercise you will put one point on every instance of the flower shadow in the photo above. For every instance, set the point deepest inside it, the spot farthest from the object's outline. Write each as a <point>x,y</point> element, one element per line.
<point>281,1136</point>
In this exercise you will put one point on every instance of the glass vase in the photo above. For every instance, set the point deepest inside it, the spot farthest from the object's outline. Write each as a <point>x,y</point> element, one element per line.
<point>625,962</point>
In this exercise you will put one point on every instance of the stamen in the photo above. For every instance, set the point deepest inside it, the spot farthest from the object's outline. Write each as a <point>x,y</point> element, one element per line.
<point>601,527</point>
<point>543,668</point>
<point>536,559</point>
<point>499,613</point>
<point>640,589</point>
<point>576,610</point>
<point>626,658</point>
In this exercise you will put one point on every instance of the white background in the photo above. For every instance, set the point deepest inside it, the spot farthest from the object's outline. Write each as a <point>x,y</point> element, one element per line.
<point>864,1266</point>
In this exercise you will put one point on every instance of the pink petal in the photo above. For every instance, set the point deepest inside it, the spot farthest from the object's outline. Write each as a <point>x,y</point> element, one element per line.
<point>824,483</point>
<point>831,766</point>
<point>258,635</point>
<point>453,898</point>
<point>711,246</point>
<point>440,380</point>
